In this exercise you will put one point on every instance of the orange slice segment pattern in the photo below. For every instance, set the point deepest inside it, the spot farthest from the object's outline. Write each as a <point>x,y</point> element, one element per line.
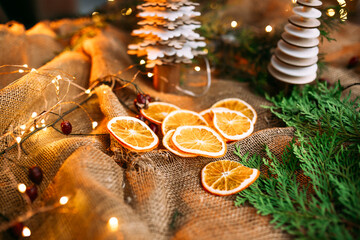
<point>232,125</point>
<point>133,133</point>
<point>200,140</point>
<point>237,104</point>
<point>157,111</point>
<point>179,118</point>
<point>168,144</point>
<point>225,177</point>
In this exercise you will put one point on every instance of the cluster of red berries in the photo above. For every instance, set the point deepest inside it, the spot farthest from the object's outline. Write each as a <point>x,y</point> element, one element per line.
<point>36,176</point>
<point>142,101</point>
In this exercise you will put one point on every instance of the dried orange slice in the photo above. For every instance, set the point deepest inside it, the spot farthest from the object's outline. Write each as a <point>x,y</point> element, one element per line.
<point>208,115</point>
<point>157,111</point>
<point>133,133</point>
<point>171,147</point>
<point>232,125</point>
<point>181,118</point>
<point>225,177</point>
<point>237,104</point>
<point>199,140</point>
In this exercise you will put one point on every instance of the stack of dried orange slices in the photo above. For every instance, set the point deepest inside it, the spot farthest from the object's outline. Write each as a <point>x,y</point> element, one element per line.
<point>190,134</point>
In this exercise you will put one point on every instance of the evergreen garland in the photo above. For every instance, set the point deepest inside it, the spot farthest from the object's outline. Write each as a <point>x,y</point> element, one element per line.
<point>325,203</point>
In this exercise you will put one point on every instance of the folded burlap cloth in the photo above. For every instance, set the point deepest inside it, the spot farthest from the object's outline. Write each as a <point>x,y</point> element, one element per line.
<point>154,195</point>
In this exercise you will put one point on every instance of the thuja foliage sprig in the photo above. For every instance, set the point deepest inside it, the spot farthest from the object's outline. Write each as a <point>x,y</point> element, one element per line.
<point>319,108</point>
<point>312,191</point>
<point>325,205</point>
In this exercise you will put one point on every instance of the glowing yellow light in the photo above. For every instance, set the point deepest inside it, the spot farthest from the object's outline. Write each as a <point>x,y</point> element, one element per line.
<point>25,65</point>
<point>95,13</point>
<point>42,121</point>
<point>26,232</point>
<point>87,91</point>
<point>206,51</point>
<point>342,3</point>
<point>22,187</point>
<point>294,1</point>
<point>32,129</point>
<point>150,74</point>
<point>34,114</point>
<point>94,125</point>
<point>22,132</point>
<point>23,127</point>
<point>234,24</point>
<point>21,70</point>
<point>58,77</point>
<point>268,28</point>
<point>330,12</point>
<point>45,129</point>
<point>129,11</point>
<point>53,81</point>
<point>142,62</point>
<point>33,70</point>
<point>63,200</point>
<point>113,223</point>
<point>18,139</point>
<point>197,68</point>
<point>110,0</point>
<point>343,14</point>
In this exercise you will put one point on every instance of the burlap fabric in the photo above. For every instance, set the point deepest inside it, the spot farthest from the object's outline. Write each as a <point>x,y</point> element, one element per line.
<point>155,195</point>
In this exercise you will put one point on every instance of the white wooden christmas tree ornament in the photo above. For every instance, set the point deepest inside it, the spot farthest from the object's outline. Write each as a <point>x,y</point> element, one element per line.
<point>168,32</point>
<point>295,58</point>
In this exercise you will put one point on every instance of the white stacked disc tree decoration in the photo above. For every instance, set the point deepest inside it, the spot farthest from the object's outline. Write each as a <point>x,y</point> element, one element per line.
<point>167,32</point>
<point>295,58</point>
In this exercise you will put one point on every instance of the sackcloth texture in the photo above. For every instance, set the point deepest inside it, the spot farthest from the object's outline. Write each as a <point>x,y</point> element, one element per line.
<point>155,195</point>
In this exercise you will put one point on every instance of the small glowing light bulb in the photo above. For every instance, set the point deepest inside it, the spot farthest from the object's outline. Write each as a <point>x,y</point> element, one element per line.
<point>234,24</point>
<point>21,70</point>
<point>25,65</point>
<point>95,13</point>
<point>42,121</point>
<point>197,68</point>
<point>34,114</point>
<point>87,91</point>
<point>23,127</point>
<point>26,232</point>
<point>128,11</point>
<point>294,1</point>
<point>330,12</point>
<point>150,74</point>
<point>18,139</point>
<point>113,223</point>
<point>22,132</point>
<point>63,200</point>
<point>110,0</point>
<point>58,77</point>
<point>142,62</point>
<point>268,28</point>
<point>94,124</point>
<point>33,70</point>
<point>32,128</point>
<point>45,129</point>
<point>22,187</point>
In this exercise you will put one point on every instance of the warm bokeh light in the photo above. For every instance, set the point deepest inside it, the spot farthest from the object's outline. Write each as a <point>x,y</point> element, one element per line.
<point>150,74</point>
<point>113,223</point>
<point>26,232</point>
<point>18,139</point>
<point>63,200</point>
<point>87,91</point>
<point>268,28</point>
<point>330,12</point>
<point>234,24</point>
<point>197,68</point>
<point>22,187</point>
<point>142,62</point>
<point>94,124</point>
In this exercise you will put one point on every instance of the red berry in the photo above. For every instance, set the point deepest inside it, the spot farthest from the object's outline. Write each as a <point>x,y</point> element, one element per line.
<point>66,127</point>
<point>148,98</point>
<point>141,117</point>
<point>32,192</point>
<point>353,62</point>
<point>141,99</point>
<point>154,128</point>
<point>17,229</point>
<point>35,174</point>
